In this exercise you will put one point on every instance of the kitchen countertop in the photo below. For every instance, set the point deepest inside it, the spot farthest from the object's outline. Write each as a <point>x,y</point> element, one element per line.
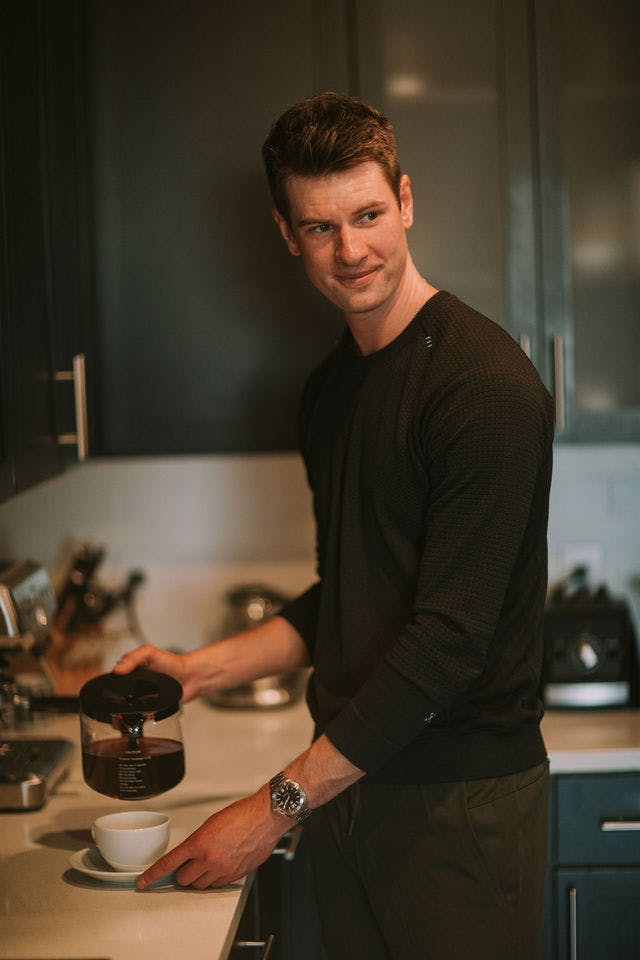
<point>50,910</point>
<point>592,741</point>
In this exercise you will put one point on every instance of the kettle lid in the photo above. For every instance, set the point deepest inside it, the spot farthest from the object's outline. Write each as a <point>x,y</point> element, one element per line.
<point>142,691</point>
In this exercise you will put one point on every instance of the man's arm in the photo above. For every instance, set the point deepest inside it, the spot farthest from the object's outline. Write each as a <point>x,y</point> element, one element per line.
<point>240,837</point>
<point>274,646</point>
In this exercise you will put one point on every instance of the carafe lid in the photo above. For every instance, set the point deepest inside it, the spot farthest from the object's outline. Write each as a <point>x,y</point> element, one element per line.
<point>154,695</point>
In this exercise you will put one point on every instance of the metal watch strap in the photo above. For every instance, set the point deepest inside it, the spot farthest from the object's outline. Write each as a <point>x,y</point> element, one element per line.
<point>274,783</point>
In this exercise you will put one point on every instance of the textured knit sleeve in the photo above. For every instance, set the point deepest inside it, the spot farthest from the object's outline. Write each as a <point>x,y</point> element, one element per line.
<point>487,449</point>
<point>302,613</point>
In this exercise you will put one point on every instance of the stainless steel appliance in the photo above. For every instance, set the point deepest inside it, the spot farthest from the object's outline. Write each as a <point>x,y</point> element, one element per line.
<point>27,609</point>
<point>247,606</point>
<point>30,769</point>
<point>27,603</point>
<point>591,657</point>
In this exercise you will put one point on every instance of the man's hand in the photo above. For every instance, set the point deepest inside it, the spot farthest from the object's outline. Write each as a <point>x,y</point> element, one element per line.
<point>270,648</point>
<point>225,848</point>
<point>177,665</point>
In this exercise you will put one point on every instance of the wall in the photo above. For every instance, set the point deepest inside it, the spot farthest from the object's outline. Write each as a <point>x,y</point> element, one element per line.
<point>197,525</point>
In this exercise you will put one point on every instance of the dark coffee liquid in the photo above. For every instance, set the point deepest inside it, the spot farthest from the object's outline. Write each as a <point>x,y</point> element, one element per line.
<point>113,768</point>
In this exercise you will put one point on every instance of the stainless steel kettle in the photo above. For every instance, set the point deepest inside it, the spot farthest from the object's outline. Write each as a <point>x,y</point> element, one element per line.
<point>247,606</point>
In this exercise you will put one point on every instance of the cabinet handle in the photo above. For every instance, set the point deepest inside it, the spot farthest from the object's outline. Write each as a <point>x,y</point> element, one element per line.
<point>558,375</point>
<point>573,923</point>
<point>288,851</point>
<point>525,344</point>
<point>613,826</point>
<point>81,436</point>
<point>266,945</point>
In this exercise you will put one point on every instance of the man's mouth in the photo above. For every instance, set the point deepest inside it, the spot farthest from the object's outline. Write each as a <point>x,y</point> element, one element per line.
<point>356,279</point>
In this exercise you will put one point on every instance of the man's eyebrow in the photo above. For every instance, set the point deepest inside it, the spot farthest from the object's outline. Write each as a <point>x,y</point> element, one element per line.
<point>311,221</point>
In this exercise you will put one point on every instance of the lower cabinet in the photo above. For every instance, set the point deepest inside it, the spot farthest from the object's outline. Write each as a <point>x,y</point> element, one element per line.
<point>280,920</point>
<point>593,892</point>
<point>598,913</point>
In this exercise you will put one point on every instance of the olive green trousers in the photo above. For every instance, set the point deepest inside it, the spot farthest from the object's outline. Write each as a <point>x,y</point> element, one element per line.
<point>434,871</point>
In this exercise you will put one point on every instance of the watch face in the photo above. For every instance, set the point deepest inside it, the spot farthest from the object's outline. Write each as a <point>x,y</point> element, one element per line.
<point>289,798</point>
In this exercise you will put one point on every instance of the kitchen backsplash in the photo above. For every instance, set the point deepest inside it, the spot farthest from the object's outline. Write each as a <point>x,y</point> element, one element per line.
<point>199,525</point>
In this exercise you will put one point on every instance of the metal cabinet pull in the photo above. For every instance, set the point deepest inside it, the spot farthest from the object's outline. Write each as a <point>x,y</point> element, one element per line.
<point>266,945</point>
<point>288,851</point>
<point>573,923</point>
<point>613,826</point>
<point>558,374</point>
<point>525,344</point>
<point>81,436</point>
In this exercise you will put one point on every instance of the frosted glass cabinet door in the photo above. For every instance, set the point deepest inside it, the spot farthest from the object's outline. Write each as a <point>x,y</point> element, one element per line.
<point>589,75</point>
<point>454,78</point>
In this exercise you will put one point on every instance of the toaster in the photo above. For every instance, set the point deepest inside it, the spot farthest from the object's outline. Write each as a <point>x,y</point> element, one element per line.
<point>590,652</point>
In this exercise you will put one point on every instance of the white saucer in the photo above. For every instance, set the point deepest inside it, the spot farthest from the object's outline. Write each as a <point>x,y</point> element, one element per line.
<point>90,862</point>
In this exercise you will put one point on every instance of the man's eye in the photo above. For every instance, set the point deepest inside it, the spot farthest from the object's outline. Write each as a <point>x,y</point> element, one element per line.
<point>370,216</point>
<point>321,228</point>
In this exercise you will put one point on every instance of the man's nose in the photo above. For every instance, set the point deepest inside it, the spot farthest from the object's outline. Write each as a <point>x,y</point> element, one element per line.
<point>349,246</point>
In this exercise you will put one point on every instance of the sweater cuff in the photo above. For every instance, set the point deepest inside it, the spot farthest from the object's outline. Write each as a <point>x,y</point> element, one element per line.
<point>386,714</point>
<point>302,614</point>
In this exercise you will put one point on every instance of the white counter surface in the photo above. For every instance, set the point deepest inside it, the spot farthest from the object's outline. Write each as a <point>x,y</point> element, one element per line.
<point>48,910</point>
<point>592,741</point>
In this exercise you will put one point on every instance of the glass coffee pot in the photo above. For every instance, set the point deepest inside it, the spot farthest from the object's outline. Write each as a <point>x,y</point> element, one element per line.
<point>131,737</point>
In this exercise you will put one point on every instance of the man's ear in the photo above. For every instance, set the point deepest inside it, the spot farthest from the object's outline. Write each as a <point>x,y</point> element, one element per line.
<point>406,201</point>
<point>286,232</point>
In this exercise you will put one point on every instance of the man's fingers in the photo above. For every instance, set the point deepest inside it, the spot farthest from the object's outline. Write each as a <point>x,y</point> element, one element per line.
<point>167,864</point>
<point>141,656</point>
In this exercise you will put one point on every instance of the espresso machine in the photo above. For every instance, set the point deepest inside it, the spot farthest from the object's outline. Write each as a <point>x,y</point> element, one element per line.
<point>30,767</point>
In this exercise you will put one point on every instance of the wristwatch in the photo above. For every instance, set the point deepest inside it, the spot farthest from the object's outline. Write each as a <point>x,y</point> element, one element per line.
<point>288,798</point>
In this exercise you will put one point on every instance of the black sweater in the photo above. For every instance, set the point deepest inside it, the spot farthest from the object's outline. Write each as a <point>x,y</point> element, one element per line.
<point>430,466</point>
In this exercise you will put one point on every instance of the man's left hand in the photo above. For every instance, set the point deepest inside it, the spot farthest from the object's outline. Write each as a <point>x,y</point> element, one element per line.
<point>227,846</point>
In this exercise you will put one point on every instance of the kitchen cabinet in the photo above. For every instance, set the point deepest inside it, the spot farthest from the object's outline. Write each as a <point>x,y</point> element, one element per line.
<point>588,82</point>
<point>206,325</point>
<point>524,153</point>
<point>281,911</point>
<point>593,895</point>
<point>44,263</point>
<point>520,123</point>
<point>455,79</point>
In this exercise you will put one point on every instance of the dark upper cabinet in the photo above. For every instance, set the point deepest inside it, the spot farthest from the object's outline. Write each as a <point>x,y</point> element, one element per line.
<point>44,290</point>
<point>589,125</point>
<point>521,124</point>
<point>206,326</point>
<point>455,79</point>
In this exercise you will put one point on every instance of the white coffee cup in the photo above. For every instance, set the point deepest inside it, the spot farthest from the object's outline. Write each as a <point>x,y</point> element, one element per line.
<point>133,839</point>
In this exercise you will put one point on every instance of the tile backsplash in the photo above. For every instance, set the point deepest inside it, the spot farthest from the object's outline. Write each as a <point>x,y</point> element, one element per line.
<point>197,525</point>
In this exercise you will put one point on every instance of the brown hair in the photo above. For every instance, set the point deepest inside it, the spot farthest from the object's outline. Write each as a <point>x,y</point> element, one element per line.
<point>326,134</point>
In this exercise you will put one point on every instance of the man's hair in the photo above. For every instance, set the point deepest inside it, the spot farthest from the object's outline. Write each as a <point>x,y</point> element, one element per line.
<point>326,134</point>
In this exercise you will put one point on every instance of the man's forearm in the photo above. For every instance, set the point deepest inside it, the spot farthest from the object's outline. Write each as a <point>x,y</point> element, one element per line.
<point>323,772</point>
<point>270,648</point>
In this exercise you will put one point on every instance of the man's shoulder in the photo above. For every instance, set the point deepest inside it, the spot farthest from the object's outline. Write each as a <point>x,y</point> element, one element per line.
<point>478,365</point>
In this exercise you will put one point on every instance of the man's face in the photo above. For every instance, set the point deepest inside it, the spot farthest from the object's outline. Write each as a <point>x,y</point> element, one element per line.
<point>350,233</point>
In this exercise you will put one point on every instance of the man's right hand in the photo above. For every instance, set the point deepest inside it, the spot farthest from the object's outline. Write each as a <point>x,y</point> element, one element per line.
<point>272,647</point>
<point>176,665</point>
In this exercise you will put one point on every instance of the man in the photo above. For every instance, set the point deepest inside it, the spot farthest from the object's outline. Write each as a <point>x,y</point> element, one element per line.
<point>427,439</point>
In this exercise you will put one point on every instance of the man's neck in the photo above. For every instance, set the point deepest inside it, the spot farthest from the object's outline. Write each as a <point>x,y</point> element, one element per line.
<point>372,332</point>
